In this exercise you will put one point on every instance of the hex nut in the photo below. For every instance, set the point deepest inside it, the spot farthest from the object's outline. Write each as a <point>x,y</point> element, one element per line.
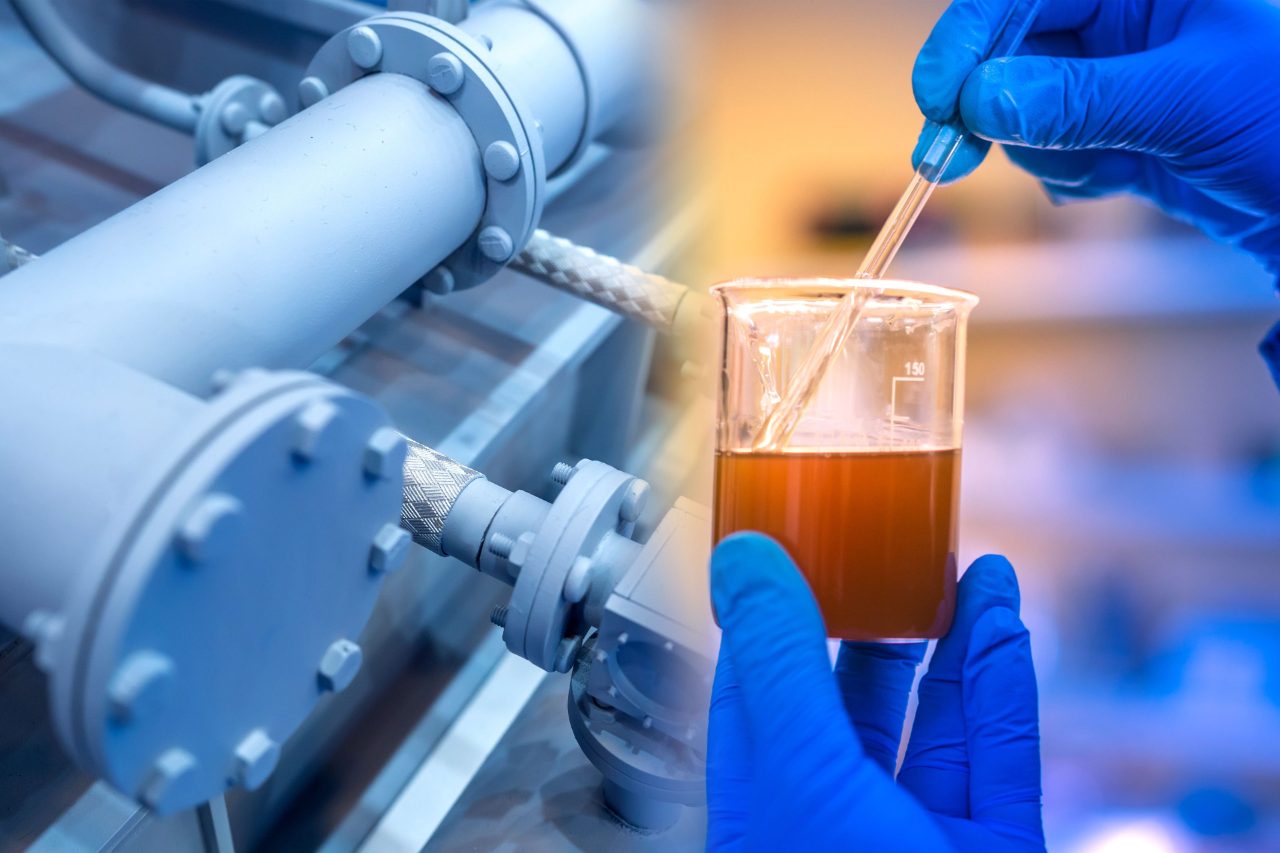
<point>310,426</point>
<point>339,665</point>
<point>390,547</point>
<point>311,91</point>
<point>209,527</point>
<point>384,454</point>
<point>256,758</point>
<point>496,244</point>
<point>164,788</point>
<point>502,161</point>
<point>445,73</point>
<point>140,687</point>
<point>364,47</point>
<point>520,552</point>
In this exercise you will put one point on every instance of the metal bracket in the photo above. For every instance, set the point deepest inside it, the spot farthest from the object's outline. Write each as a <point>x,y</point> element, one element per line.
<point>453,64</point>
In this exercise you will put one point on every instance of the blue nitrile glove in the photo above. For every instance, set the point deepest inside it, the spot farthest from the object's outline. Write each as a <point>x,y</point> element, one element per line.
<point>1175,100</point>
<point>801,758</point>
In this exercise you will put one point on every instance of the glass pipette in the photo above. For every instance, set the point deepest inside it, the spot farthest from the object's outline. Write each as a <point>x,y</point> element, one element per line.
<point>784,416</point>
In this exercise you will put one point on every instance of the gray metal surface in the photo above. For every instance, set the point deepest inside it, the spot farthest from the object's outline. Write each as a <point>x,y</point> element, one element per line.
<point>537,791</point>
<point>509,378</point>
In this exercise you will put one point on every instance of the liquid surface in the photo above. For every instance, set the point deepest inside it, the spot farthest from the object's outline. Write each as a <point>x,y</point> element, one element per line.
<point>874,533</point>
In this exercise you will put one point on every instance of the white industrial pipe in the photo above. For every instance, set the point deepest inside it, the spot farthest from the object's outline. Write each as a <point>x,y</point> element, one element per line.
<point>274,252</point>
<point>270,254</point>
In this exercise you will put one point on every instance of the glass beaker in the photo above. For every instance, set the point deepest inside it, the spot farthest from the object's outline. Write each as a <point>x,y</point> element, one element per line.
<point>864,495</point>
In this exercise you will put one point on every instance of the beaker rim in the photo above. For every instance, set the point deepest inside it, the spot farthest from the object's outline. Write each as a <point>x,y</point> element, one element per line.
<point>891,287</point>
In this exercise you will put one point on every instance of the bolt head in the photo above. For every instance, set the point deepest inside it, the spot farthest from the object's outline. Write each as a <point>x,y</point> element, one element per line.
<point>140,687</point>
<point>339,665</point>
<point>271,108</point>
<point>384,455</point>
<point>234,118</point>
<point>310,426</point>
<point>439,281</point>
<point>255,759</point>
<point>445,73</point>
<point>364,47</point>
<point>167,785</point>
<point>390,547</point>
<point>209,528</point>
<point>633,501</point>
<point>496,244</point>
<point>311,91</point>
<point>502,161</point>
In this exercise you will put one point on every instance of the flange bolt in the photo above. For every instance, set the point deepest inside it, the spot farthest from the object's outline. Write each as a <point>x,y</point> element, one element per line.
<point>365,47</point>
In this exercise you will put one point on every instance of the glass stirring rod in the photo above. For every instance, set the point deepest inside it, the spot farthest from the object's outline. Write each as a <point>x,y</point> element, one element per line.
<point>785,415</point>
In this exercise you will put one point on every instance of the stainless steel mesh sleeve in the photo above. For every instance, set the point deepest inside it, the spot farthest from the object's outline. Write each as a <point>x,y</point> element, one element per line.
<point>432,482</point>
<point>600,279</point>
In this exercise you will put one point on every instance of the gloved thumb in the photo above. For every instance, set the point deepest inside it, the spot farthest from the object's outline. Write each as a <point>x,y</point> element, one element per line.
<point>1067,104</point>
<point>774,635</point>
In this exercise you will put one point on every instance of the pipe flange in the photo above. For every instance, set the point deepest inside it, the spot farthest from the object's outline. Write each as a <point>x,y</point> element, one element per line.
<point>231,592</point>
<point>454,65</point>
<point>590,120</point>
<point>237,110</point>
<point>540,622</point>
<point>643,761</point>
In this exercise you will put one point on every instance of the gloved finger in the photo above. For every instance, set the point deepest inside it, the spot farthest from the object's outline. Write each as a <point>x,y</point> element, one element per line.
<point>936,766</point>
<point>875,682</point>
<point>730,774</point>
<point>969,157</point>
<point>963,36</point>
<point>1079,174</point>
<point>1060,103</point>
<point>1000,706</point>
<point>1181,200</point>
<point>814,780</point>
<point>775,637</point>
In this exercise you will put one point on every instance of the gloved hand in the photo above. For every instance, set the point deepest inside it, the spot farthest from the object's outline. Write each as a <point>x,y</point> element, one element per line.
<point>1175,100</point>
<point>801,758</point>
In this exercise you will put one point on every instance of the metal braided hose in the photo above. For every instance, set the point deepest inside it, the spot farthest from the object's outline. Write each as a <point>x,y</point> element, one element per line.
<point>606,281</point>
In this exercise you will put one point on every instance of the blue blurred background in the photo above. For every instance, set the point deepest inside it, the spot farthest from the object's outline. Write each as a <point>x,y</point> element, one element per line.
<point>1122,439</point>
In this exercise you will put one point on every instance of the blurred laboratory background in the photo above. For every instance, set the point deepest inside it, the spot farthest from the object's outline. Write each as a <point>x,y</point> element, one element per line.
<point>1122,436</point>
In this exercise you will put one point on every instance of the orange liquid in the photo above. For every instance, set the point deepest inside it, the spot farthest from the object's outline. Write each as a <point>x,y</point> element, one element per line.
<point>874,533</point>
